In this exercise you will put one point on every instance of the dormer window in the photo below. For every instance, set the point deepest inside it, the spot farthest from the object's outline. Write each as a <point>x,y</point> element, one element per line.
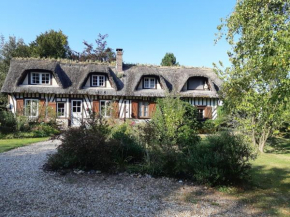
<point>40,78</point>
<point>98,81</point>
<point>197,83</point>
<point>149,83</point>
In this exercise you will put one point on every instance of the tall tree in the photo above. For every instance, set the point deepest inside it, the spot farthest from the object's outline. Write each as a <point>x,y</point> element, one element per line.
<point>51,44</point>
<point>169,60</point>
<point>257,87</point>
<point>100,53</point>
<point>8,50</point>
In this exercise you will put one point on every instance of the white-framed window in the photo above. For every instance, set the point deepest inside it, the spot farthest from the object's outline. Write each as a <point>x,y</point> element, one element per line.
<point>105,108</point>
<point>31,107</point>
<point>144,109</point>
<point>60,109</point>
<point>40,78</point>
<point>149,83</point>
<point>98,81</point>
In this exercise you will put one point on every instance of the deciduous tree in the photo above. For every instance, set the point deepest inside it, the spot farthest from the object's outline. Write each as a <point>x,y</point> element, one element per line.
<point>257,85</point>
<point>8,50</point>
<point>51,44</point>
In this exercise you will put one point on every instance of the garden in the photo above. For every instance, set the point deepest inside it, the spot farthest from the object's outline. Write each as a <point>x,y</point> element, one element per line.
<point>17,131</point>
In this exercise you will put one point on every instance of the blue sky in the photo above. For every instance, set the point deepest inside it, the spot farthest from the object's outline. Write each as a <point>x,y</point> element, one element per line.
<point>146,29</point>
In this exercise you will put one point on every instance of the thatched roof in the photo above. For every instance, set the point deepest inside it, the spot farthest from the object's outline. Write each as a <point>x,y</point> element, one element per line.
<point>72,76</point>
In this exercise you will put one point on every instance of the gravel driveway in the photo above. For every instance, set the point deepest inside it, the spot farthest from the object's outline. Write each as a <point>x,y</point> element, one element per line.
<point>26,190</point>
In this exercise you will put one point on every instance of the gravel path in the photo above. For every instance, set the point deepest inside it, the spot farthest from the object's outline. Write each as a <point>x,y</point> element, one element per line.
<point>26,190</point>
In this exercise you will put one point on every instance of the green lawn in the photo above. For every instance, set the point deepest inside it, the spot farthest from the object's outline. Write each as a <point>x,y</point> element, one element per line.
<point>270,185</point>
<point>8,144</point>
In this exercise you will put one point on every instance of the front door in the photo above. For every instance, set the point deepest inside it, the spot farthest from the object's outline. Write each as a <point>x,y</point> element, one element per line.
<point>76,113</point>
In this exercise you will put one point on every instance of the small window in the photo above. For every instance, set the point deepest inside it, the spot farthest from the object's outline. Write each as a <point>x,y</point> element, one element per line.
<point>143,109</point>
<point>98,80</point>
<point>31,107</point>
<point>105,108</point>
<point>149,83</point>
<point>60,109</point>
<point>40,78</point>
<point>200,114</point>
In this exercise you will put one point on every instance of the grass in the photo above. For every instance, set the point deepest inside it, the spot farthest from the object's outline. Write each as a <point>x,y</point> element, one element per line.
<point>269,188</point>
<point>8,144</point>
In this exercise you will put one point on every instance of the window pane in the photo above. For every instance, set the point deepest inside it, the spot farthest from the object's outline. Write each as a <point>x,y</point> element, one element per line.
<point>35,78</point>
<point>145,109</point>
<point>108,108</point>
<point>101,80</point>
<point>34,108</point>
<point>45,78</point>
<point>152,83</point>
<point>60,109</point>
<point>27,107</point>
<point>146,82</point>
<point>94,80</point>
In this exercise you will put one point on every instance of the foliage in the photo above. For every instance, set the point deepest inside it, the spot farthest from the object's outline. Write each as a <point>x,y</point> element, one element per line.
<point>8,50</point>
<point>101,53</point>
<point>85,148</point>
<point>45,129</point>
<point>169,60</point>
<point>169,135</point>
<point>207,127</point>
<point>257,87</point>
<point>12,126</point>
<point>128,150</point>
<point>8,122</point>
<point>221,159</point>
<point>96,146</point>
<point>51,44</point>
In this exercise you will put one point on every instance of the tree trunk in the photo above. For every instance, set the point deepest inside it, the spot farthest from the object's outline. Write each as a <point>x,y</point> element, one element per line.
<point>263,138</point>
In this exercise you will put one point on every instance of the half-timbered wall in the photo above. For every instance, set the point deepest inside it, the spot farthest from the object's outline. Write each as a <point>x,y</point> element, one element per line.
<point>123,107</point>
<point>210,102</point>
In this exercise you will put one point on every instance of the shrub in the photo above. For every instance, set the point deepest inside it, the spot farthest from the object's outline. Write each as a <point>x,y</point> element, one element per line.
<point>97,146</point>
<point>168,137</point>
<point>8,123</point>
<point>207,127</point>
<point>86,147</point>
<point>221,159</point>
<point>128,150</point>
<point>45,129</point>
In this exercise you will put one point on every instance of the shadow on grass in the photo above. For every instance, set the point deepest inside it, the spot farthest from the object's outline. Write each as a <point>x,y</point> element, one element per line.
<point>278,145</point>
<point>269,190</point>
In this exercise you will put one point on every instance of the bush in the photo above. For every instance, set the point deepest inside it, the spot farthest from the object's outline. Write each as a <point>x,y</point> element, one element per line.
<point>86,147</point>
<point>169,136</point>
<point>8,123</point>
<point>45,129</point>
<point>207,127</point>
<point>221,159</point>
<point>128,150</point>
<point>96,146</point>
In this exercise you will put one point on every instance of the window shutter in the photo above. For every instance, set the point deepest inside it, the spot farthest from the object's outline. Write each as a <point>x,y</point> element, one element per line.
<point>41,108</point>
<point>96,107</point>
<point>152,108</point>
<point>19,106</point>
<point>51,109</point>
<point>134,109</point>
<point>208,112</point>
<point>115,112</point>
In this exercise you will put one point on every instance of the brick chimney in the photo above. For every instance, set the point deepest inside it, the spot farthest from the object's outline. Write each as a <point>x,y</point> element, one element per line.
<point>119,60</point>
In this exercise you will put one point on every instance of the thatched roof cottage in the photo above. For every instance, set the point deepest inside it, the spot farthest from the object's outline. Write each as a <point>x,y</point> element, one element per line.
<point>73,90</point>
